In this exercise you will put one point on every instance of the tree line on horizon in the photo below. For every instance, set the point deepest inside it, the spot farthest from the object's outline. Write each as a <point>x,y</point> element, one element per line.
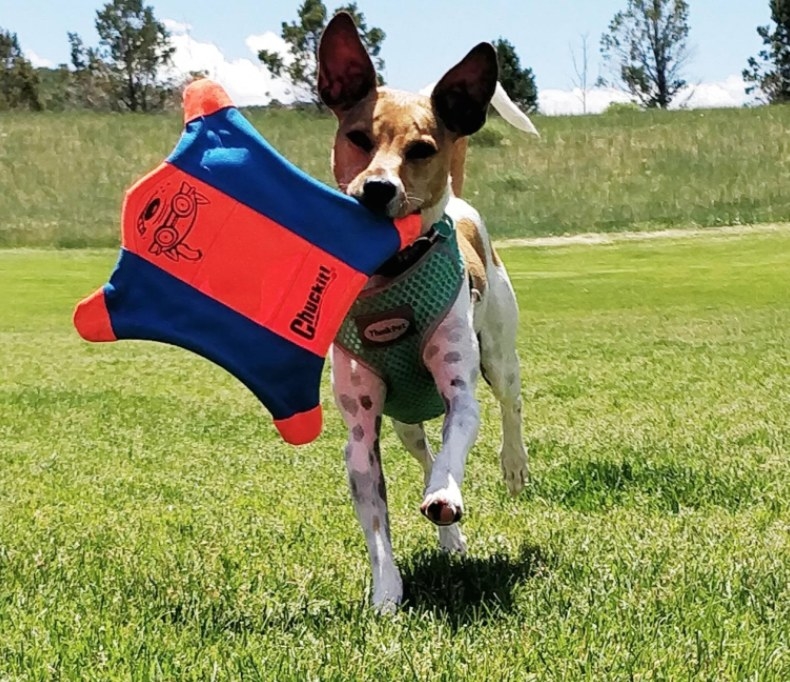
<point>645,51</point>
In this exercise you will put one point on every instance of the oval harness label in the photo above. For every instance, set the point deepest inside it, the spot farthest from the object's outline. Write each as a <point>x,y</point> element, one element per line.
<point>386,330</point>
<point>386,327</point>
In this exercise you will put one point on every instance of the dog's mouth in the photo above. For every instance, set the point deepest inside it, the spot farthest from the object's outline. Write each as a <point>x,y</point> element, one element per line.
<point>394,208</point>
<point>398,207</point>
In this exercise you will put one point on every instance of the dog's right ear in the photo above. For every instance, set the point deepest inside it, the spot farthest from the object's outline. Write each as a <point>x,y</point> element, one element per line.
<point>345,71</point>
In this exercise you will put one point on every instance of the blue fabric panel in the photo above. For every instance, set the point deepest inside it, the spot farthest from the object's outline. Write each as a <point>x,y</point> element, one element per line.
<point>147,303</point>
<point>225,151</point>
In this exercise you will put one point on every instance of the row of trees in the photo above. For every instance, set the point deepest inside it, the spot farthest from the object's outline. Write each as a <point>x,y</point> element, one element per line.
<point>645,51</point>
<point>124,72</point>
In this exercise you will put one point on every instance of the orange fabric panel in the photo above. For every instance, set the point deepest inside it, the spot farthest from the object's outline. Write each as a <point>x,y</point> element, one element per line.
<point>239,257</point>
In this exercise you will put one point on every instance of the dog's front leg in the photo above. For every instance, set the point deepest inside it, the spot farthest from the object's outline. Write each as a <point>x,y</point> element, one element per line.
<point>453,357</point>
<point>360,394</point>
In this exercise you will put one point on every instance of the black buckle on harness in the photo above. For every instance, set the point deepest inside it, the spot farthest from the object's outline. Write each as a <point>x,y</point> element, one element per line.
<point>404,259</point>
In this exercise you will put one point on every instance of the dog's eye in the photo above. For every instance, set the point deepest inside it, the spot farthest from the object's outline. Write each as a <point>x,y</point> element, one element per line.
<point>420,150</point>
<point>359,139</point>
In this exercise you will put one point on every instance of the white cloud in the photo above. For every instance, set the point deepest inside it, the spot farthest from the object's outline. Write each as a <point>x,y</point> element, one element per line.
<point>247,81</point>
<point>176,27</point>
<point>731,92</point>
<point>37,61</point>
<point>561,102</point>
<point>727,93</point>
<point>267,41</point>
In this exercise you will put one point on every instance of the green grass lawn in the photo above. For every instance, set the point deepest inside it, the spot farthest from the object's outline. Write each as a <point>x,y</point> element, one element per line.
<point>152,525</point>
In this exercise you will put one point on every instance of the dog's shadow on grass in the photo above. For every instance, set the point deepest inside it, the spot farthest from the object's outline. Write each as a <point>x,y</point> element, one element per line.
<point>467,589</point>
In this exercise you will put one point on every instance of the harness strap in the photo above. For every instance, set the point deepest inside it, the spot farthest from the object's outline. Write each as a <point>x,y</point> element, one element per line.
<point>407,257</point>
<point>389,324</point>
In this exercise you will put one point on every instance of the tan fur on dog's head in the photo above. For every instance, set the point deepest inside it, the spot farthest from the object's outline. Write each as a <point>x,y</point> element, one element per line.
<point>393,150</point>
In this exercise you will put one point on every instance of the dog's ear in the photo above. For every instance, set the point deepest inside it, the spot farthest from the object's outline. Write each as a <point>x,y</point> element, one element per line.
<point>460,99</point>
<point>345,72</point>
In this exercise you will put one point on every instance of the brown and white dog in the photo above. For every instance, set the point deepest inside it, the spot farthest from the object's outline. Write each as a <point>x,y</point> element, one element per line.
<point>396,152</point>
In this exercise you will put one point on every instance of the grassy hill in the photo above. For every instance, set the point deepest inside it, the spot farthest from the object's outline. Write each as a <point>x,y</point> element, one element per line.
<point>62,176</point>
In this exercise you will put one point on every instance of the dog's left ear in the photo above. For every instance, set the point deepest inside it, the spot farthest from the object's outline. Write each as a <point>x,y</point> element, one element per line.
<point>460,99</point>
<point>345,72</point>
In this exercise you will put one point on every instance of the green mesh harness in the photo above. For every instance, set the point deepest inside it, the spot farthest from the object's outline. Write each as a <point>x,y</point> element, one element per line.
<point>387,327</point>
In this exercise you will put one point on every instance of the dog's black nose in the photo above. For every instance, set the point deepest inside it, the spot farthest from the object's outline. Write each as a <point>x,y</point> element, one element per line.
<point>376,194</point>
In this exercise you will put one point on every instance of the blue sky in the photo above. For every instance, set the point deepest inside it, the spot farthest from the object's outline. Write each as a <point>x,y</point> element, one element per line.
<point>423,37</point>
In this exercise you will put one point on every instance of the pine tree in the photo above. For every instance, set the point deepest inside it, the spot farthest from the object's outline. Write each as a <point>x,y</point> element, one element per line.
<point>299,67</point>
<point>769,72</point>
<point>519,83</point>
<point>127,64</point>
<point>19,87</point>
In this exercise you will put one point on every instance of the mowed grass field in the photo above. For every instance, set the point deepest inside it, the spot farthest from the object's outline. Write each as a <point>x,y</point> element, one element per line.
<point>62,175</point>
<point>152,525</point>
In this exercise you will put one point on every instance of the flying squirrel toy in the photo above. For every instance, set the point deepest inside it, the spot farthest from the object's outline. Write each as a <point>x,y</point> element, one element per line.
<point>230,251</point>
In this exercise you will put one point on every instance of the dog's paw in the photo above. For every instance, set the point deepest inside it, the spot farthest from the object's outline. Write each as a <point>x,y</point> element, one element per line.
<point>515,470</point>
<point>444,507</point>
<point>452,540</point>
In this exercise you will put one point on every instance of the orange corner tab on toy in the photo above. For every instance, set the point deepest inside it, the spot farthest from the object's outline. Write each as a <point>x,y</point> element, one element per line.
<point>92,320</point>
<point>301,428</point>
<point>203,97</point>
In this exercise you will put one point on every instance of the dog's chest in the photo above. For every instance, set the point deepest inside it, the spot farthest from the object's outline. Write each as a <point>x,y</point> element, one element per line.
<point>388,326</point>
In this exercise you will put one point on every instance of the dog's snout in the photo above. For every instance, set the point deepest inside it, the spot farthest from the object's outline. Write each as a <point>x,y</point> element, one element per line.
<point>376,194</point>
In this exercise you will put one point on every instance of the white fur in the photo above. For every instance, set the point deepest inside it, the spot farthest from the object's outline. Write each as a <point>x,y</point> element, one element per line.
<point>510,112</point>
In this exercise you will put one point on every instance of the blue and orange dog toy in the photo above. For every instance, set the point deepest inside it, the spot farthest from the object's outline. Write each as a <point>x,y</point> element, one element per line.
<point>230,251</point>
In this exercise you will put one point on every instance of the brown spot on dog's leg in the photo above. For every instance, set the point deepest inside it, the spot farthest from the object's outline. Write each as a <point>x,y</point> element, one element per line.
<point>349,404</point>
<point>366,402</point>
